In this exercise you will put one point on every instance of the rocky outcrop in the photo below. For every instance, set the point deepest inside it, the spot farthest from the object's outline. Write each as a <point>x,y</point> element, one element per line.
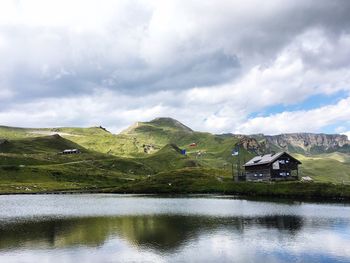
<point>307,142</point>
<point>295,143</point>
<point>149,148</point>
<point>251,144</point>
<point>104,129</point>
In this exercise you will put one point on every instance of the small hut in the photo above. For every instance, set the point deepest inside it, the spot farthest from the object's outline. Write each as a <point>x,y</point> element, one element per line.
<point>71,151</point>
<point>272,166</point>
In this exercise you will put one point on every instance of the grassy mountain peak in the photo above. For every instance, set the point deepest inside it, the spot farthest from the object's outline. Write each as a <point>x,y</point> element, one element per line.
<point>170,123</point>
<point>148,153</point>
<point>158,124</point>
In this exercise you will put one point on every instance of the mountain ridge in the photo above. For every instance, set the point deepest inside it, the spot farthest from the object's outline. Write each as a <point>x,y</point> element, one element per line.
<point>305,142</point>
<point>159,151</point>
<point>160,131</point>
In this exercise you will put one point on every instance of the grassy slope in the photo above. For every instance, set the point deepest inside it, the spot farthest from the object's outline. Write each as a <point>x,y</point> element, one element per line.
<point>333,167</point>
<point>29,162</point>
<point>192,180</point>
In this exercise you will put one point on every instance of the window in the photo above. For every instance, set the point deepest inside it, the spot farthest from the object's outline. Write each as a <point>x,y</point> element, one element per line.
<point>276,165</point>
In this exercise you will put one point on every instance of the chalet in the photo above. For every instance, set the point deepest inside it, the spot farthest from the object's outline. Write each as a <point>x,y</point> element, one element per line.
<point>273,166</point>
<point>71,151</point>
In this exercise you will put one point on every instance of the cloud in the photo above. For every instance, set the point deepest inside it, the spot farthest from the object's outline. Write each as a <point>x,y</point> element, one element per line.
<point>347,134</point>
<point>211,65</point>
<point>299,121</point>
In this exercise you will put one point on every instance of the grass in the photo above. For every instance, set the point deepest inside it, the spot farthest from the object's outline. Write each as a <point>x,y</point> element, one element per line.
<point>194,180</point>
<point>29,162</point>
<point>86,174</point>
<point>333,168</point>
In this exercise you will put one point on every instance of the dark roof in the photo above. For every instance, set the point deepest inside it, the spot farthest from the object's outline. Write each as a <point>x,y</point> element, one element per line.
<point>267,159</point>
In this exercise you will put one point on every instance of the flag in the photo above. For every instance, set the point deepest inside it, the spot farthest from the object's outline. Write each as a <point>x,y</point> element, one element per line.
<point>234,152</point>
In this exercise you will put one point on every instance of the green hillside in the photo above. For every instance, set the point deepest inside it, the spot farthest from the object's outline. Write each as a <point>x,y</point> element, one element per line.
<point>45,144</point>
<point>332,167</point>
<point>147,155</point>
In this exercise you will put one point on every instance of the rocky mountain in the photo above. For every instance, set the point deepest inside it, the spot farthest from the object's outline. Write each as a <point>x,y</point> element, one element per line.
<point>168,130</point>
<point>312,143</point>
<point>149,137</point>
<point>147,148</point>
<point>251,144</point>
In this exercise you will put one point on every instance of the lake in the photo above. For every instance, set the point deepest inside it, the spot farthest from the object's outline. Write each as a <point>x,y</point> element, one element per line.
<point>131,228</point>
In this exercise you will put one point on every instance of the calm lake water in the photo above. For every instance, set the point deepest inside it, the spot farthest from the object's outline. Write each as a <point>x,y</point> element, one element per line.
<point>126,228</point>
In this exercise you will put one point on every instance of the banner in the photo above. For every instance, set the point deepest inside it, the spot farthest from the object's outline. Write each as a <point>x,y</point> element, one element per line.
<point>235,152</point>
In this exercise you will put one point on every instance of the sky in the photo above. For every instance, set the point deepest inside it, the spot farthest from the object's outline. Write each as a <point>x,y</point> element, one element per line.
<point>250,66</point>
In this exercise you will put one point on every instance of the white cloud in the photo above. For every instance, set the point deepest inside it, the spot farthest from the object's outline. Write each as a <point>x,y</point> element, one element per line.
<point>5,93</point>
<point>101,108</point>
<point>347,134</point>
<point>210,65</point>
<point>299,121</point>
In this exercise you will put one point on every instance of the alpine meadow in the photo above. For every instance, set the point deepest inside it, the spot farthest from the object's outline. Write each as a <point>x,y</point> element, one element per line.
<point>174,131</point>
<point>147,158</point>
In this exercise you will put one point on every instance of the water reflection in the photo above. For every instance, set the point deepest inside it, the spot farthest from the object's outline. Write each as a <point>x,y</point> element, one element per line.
<point>163,233</point>
<point>106,228</point>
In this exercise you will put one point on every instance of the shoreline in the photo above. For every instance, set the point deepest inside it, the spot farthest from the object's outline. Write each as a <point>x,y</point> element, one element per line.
<point>176,194</point>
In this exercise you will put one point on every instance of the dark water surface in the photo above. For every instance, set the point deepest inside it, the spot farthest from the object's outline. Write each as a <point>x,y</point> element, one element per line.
<point>126,228</point>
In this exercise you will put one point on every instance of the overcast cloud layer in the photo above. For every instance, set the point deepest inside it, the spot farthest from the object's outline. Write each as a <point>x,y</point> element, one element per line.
<point>220,66</point>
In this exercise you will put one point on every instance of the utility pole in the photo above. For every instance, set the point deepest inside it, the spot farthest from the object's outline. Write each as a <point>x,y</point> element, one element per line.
<point>238,164</point>
<point>233,175</point>
<point>235,152</point>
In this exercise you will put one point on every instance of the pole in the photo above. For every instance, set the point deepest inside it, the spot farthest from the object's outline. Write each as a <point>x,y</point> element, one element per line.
<point>238,163</point>
<point>233,176</point>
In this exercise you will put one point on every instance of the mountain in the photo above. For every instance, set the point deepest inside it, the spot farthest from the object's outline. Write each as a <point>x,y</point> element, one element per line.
<point>46,144</point>
<point>144,138</point>
<point>148,149</point>
<point>306,143</point>
<point>166,124</point>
